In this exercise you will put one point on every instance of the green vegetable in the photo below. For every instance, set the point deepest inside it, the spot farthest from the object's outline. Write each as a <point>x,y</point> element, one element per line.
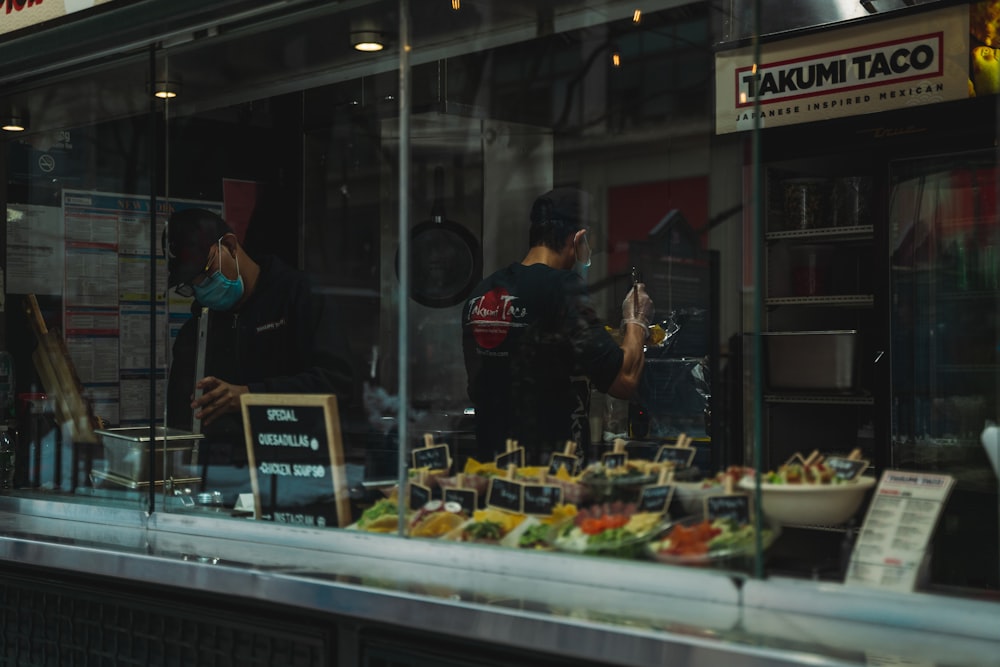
<point>378,510</point>
<point>533,536</point>
<point>484,530</point>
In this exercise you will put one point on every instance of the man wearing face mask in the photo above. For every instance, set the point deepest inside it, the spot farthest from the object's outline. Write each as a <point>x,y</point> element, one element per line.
<point>268,332</point>
<point>533,342</point>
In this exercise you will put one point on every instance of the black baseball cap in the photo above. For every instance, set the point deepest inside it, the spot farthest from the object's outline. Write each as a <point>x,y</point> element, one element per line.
<point>565,204</point>
<point>186,239</point>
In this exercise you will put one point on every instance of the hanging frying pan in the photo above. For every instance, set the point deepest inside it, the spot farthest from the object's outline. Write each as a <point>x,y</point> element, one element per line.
<point>446,258</point>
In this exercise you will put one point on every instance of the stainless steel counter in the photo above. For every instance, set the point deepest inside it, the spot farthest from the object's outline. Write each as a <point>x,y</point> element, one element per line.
<point>611,611</point>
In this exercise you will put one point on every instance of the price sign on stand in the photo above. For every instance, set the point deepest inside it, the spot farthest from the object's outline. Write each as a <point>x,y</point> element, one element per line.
<point>514,456</point>
<point>567,459</point>
<point>418,495</point>
<point>846,469</point>
<point>735,507</point>
<point>540,499</point>
<point>613,460</point>
<point>679,456</point>
<point>505,494</point>
<point>467,498</point>
<point>655,498</point>
<point>296,457</point>
<point>435,457</point>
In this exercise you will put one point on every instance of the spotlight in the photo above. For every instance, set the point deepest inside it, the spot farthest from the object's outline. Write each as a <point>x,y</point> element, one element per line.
<point>637,16</point>
<point>367,35</point>
<point>616,56</point>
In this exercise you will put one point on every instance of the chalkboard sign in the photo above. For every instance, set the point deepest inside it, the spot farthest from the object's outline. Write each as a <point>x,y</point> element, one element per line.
<point>846,469</point>
<point>417,496</point>
<point>562,460</point>
<point>514,457</point>
<point>296,457</point>
<point>655,498</point>
<point>613,460</point>
<point>679,456</point>
<point>467,498</point>
<point>504,494</point>
<point>434,458</point>
<point>541,499</point>
<point>735,507</point>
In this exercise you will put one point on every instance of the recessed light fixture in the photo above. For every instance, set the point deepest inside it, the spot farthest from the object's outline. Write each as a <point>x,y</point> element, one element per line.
<point>616,56</point>
<point>367,35</point>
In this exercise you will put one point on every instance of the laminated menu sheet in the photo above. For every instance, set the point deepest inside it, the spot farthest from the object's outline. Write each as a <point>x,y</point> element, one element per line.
<point>897,530</point>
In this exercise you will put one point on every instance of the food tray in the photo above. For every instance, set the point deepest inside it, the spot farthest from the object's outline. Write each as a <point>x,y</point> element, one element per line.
<point>719,557</point>
<point>126,456</point>
<point>632,547</point>
<point>817,360</point>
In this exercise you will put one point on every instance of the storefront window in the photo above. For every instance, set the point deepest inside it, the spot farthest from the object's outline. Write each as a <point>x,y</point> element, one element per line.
<point>647,284</point>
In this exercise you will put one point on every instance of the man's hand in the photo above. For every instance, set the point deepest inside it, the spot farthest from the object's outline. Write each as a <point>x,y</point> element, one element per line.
<point>218,397</point>
<point>637,308</point>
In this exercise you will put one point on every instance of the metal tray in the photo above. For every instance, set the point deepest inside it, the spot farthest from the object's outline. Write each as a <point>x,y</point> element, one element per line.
<point>126,455</point>
<point>811,360</point>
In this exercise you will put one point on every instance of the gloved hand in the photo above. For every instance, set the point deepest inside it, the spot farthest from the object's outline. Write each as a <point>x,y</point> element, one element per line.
<point>637,308</point>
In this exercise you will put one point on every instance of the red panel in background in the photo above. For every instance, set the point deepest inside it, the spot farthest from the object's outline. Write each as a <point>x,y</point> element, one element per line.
<point>633,210</point>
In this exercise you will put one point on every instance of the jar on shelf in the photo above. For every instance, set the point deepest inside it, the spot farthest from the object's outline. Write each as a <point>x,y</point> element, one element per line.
<point>805,203</point>
<point>811,269</point>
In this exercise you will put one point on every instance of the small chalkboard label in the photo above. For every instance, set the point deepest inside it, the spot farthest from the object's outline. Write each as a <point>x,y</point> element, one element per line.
<point>505,494</point>
<point>557,461</point>
<point>419,496</point>
<point>467,498</point>
<point>655,498</point>
<point>613,460</point>
<point>679,456</point>
<point>735,507</point>
<point>433,458</point>
<point>541,499</point>
<point>514,457</point>
<point>846,469</point>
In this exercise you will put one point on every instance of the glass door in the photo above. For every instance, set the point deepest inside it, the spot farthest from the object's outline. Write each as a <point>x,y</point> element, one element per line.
<point>944,238</point>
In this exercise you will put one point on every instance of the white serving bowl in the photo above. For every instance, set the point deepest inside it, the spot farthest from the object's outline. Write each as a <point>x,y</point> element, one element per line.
<point>691,496</point>
<point>812,504</point>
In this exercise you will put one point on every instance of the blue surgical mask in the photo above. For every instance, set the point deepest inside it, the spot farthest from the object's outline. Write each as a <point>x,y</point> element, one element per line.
<point>217,292</point>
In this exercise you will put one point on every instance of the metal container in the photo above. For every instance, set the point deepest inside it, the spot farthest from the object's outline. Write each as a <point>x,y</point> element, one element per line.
<point>126,456</point>
<point>812,360</point>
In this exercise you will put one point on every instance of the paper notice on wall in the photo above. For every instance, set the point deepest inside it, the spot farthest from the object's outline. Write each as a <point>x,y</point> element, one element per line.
<point>35,257</point>
<point>892,545</point>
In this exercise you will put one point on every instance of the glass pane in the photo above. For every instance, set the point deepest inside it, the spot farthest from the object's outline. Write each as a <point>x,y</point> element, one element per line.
<point>77,311</point>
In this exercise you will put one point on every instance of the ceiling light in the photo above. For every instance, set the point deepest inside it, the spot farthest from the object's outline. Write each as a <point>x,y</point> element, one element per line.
<point>14,121</point>
<point>166,89</point>
<point>367,35</point>
<point>616,56</point>
<point>636,16</point>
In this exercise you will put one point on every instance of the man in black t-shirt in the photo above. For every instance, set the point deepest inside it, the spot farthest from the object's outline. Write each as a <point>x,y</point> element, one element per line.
<point>533,342</point>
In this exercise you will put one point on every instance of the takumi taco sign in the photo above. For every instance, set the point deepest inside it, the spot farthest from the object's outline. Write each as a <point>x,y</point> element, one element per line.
<point>921,59</point>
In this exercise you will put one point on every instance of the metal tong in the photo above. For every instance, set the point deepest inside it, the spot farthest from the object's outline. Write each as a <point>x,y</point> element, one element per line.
<point>636,279</point>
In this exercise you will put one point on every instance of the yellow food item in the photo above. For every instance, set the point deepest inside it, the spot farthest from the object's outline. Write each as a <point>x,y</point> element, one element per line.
<point>985,71</point>
<point>657,334</point>
<point>474,467</point>
<point>437,524</point>
<point>642,522</point>
<point>559,514</point>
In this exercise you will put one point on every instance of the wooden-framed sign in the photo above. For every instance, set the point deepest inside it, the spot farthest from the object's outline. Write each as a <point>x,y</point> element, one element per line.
<point>558,461</point>
<point>296,456</point>
<point>846,469</point>
<point>655,498</point>
<point>504,494</point>
<point>734,506</point>
<point>679,456</point>
<point>540,499</point>
<point>613,460</point>
<point>467,498</point>
<point>513,456</point>
<point>435,457</point>
<point>417,495</point>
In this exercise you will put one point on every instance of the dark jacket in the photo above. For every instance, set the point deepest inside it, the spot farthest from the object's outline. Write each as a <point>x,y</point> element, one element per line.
<point>284,339</point>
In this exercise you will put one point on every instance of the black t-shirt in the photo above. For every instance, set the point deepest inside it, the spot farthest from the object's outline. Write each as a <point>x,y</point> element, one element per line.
<point>531,340</point>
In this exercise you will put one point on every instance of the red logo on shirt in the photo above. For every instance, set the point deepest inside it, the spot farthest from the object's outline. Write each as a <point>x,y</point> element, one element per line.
<point>491,317</point>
